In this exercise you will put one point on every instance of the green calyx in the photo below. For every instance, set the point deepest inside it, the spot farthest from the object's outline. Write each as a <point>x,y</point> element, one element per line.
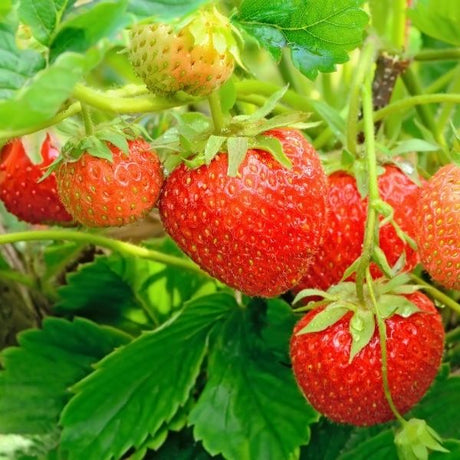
<point>117,132</point>
<point>415,439</point>
<point>193,139</point>
<point>342,299</point>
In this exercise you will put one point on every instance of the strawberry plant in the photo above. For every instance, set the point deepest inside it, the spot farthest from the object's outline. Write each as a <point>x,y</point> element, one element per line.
<point>229,229</point>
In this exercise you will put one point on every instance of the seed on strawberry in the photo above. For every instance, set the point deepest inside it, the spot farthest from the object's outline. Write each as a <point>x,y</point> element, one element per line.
<point>352,392</point>
<point>29,200</point>
<point>100,193</point>
<point>438,226</point>
<point>169,61</point>
<point>258,231</point>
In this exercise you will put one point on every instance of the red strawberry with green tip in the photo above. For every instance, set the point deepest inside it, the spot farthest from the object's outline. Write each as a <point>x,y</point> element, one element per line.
<point>351,390</point>
<point>102,193</point>
<point>20,190</point>
<point>257,231</point>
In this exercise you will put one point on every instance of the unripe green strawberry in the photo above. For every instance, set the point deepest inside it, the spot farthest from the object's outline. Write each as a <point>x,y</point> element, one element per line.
<point>438,226</point>
<point>196,59</point>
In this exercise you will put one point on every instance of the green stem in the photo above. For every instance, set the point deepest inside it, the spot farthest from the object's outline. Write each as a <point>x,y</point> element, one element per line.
<point>216,112</point>
<point>140,104</point>
<point>89,128</point>
<point>371,163</point>
<point>453,335</point>
<point>445,115</point>
<point>365,61</point>
<point>398,23</point>
<point>70,111</point>
<point>260,101</point>
<point>414,88</point>
<point>437,294</point>
<point>99,240</point>
<point>441,82</point>
<point>286,71</point>
<point>447,54</point>
<point>17,277</point>
<point>323,138</point>
<point>383,347</point>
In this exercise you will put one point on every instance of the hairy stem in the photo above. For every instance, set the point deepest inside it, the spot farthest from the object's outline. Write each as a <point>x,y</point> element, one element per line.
<point>109,243</point>
<point>216,112</point>
<point>365,61</point>
<point>89,128</point>
<point>371,163</point>
<point>383,347</point>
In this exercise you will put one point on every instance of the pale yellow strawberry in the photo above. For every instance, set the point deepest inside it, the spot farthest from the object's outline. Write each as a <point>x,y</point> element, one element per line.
<point>197,58</point>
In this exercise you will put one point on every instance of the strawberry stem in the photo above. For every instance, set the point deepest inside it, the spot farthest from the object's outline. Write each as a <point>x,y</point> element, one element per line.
<point>89,128</point>
<point>446,54</point>
<point>365,61</point>
<point>216,112</point>
<point>371,162</point>
<point>383,347</point>
<point>437,294</point>
<point>122,247</point>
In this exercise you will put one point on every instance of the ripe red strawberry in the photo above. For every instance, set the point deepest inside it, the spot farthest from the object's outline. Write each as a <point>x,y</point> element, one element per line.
<point>29,200</point>
<point>257,231</point>
<point>438,226</point>
<point>100,193</point>
<point>197,59</point>
<point>345,231</point>
<point>352,392</point>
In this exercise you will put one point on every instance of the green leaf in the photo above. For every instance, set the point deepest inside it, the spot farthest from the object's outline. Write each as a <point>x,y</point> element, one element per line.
<point>212,147</point>
<point>438,19</point>
<point>5,8</point>
<point>44,94</point>
<point>273,146</point>
<point>251,396</point>
<point>332,117</point>
<point>84,27</point>
<point>327,317</point>
<point>163,10</point>
<point>362,327</point>
<point>34,385</point>
<point>16,66</point>
<point>237,148</point>
<point>312,292</point>
<point>42,16</point>
<point>149,380</point>
<point>319,34</point>
<point>414,145</point>
<point>395,304</point>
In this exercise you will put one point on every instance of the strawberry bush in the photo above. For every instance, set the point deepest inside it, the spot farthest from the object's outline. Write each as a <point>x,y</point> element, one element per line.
<point>229,229</point>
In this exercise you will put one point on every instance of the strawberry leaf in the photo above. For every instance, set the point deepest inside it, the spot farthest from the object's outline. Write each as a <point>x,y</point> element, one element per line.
<point>237,148</point>
<point>238,398</point>
<point>313,292</point>
<point>163,10</point>
<point>319,34</point>
<point>327,317</point>
<point>390,304</point>
<point>362,327</point>
<point>140,376</point>
<point>440,20</point>
<point>36,377</point>
<point>212,147</point>
<point>272,145</point>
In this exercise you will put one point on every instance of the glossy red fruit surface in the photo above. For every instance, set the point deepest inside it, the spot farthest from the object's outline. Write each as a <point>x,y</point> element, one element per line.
<point>29,200</point>
<point>353,392</point>
<point>257,231</point>
<point>100,193</point>
<point>438,226</point>
<point>346,223</point>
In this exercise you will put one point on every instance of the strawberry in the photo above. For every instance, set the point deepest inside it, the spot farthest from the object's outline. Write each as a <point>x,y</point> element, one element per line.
<point>345,231</point>
<point>29,200</point>
<point>101,193</point>
<point>257,231</point>
<point>352,392</point>
<point>438,224</point>
<point>196,59</point>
